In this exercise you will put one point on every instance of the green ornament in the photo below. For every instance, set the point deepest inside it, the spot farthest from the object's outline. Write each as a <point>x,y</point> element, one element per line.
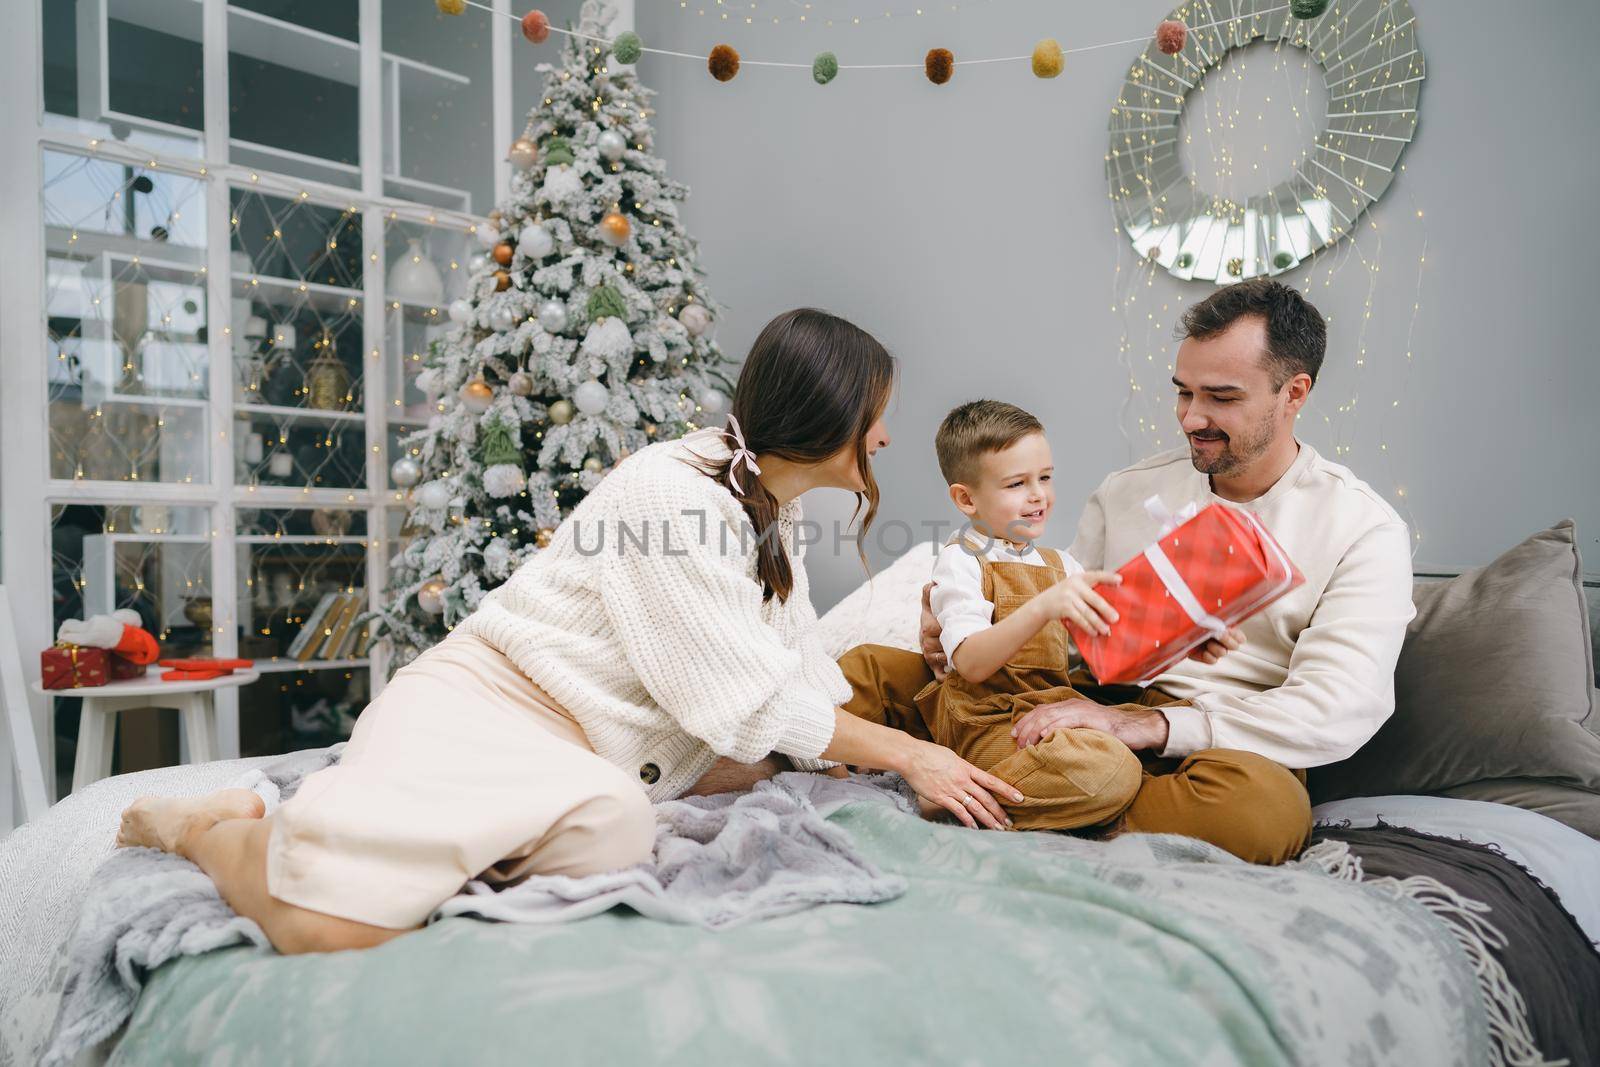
<point>1307,9</point>
<point>824,68</point>
<point>606,303</point>
<point>1283,261</point>
<point>1184,261</point>
<point>627,47</point>
<point>558,150</point>
<point>498,444</point>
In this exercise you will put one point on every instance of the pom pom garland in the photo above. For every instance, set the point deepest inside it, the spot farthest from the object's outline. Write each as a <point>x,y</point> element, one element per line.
<point>1047,58</point>
<point>723,63</point>
<point>536,27</point>
<point>627,47</point>
<point>939,65</point>
<point>1170,36</point>
<point>824,68</point>
<point>450,7</point>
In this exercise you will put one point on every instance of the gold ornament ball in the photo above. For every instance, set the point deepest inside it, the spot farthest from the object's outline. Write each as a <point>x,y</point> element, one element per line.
<point>503,253</point>
<point>502,281</point>
<point>477,395</point>
<point>542,536</point>
<point>649,429</point>
<point>614,229</point>
<point>524,153</point>
<point>593,464</point>
<point>430,597</point>
<point>561,412</point>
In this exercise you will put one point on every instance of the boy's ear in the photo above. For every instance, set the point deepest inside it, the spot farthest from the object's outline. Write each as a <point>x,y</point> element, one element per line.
<point>961,497</point>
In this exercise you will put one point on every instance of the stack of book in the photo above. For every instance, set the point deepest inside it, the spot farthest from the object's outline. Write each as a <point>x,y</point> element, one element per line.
<point>331,630</point>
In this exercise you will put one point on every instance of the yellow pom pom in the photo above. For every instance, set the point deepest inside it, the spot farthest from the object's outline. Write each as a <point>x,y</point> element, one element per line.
<point>1047,59</point>
<point>451,7</point>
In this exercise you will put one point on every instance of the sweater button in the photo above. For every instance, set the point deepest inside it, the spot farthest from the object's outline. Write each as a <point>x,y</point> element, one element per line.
<point>649,774</point>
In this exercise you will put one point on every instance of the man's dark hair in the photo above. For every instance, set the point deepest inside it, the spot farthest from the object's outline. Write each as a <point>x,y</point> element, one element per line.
<point>1297,334</point>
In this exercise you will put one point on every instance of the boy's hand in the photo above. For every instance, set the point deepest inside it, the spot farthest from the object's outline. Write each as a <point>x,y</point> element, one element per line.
<point>1217,647</point>
<point>1075,600</point>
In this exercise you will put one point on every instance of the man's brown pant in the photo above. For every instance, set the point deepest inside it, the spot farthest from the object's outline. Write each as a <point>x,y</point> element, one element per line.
<point>1239,801</point>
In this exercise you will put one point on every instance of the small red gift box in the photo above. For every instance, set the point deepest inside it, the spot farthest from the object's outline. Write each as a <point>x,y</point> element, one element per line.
<point>79,667</point>
<point>1212,572</point>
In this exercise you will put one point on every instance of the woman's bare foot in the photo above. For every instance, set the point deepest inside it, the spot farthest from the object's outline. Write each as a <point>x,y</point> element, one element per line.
<point>163,822</point>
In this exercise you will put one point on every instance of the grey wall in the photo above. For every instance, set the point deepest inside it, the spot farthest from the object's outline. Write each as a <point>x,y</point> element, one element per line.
<point>968,227</point>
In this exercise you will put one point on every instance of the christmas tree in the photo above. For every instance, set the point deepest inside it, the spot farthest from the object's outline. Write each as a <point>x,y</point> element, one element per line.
<point>584,337</point>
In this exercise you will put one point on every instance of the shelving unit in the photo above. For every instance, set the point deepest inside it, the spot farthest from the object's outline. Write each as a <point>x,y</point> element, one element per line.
<point>143,210</point>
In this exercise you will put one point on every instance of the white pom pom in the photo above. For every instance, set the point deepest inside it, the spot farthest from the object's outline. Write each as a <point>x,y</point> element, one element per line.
<point>561,183</point>
<point>535,242</point>
<point>503,479</point>
<point>608,339</point>
<point>497,557</point>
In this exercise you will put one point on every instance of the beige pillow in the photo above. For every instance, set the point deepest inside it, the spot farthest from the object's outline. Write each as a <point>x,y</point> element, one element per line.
<point>1494,685</point>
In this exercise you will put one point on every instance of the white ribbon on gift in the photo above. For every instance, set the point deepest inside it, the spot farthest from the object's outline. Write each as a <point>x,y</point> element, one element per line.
<point>1176,586</point>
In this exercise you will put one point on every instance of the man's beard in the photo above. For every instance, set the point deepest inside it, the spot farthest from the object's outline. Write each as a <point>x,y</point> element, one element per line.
<point>1237,452</point>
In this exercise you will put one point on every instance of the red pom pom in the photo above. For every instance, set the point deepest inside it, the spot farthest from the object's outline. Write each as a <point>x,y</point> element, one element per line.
<point>939,65</point>
<point>536,27</point>
<point>723,63</point>
<point>1170,36</point>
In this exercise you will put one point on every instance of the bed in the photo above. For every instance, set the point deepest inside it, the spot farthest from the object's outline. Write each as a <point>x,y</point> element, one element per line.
<point>1014,949</point>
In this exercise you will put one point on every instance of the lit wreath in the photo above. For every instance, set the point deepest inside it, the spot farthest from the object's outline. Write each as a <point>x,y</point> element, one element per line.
<point>1373,69</point>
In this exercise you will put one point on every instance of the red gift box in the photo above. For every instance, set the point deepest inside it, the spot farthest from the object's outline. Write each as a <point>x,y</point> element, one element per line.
<point>74,667</point>
<point>1215,570</point>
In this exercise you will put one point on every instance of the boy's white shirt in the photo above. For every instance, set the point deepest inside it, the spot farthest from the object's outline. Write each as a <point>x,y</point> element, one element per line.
<point>957,598</point>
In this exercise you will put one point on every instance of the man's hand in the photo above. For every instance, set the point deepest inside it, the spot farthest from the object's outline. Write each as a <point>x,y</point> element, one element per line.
<point>932,650</point>
<point>1217,647</point>
<point>726,776</point>
<point>1141,730</point>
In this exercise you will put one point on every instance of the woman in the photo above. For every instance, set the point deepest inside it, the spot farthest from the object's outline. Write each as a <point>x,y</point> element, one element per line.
<point>656,633</point>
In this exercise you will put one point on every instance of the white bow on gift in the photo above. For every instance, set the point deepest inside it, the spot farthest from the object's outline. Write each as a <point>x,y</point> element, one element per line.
<point>1176,586</point>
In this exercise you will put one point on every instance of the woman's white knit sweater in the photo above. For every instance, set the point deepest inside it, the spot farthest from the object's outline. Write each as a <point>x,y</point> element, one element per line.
<point>644,619</point>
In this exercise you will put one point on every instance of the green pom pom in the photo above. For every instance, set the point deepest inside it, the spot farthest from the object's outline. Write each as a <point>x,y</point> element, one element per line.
<point>1283,261</point>
<point>627,47</point>
<point>1307,9</point>
<point>558,150</point>
<point>606,303</point>
<point>824,68</point>
<point>1184,261</point>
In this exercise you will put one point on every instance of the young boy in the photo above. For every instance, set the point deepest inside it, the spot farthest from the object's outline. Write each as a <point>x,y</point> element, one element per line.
<point>1000,600</point>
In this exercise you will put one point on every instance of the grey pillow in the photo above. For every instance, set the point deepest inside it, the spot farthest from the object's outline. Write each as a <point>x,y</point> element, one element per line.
<point>1494,684</point>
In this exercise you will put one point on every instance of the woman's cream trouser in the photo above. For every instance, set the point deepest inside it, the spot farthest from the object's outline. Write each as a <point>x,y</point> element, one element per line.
<point>462,768</point>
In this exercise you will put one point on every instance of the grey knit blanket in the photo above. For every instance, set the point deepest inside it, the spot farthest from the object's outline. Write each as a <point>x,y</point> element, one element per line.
<point>719,861</point>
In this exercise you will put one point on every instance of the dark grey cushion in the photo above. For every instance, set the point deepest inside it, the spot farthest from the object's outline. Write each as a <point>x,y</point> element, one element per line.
<point>1495,682</point>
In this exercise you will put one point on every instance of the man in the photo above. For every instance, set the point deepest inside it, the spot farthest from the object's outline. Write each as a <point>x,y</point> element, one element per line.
<point>1225,743</point>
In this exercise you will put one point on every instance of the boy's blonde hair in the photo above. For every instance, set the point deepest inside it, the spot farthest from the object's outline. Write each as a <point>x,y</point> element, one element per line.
<point>975,428</point>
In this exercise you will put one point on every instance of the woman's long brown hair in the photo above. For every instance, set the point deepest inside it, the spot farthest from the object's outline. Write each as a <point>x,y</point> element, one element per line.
<point>812,385</point>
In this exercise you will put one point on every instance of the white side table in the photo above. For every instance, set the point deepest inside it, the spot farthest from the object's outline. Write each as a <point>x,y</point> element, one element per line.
<point>97,723</point>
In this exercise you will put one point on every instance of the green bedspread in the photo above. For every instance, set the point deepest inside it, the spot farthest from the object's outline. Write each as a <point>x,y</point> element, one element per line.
<point>1007,949</point>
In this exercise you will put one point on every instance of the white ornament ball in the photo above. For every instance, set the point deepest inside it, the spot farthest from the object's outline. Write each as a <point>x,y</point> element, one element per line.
<point>553,316</point>
<point>460,312</point>
<point>713,402</point>
<point>477,263</point>
<point>611,144</point>
<point>535,242</point>
<point>520,383</point>
<point>430,597</point>
<point>560,412</point>
<point>503,479</point>
<point>591,397</point>
<point>501,319</point>
<point>497,557</point>
<point>695,318</point>
<point>488,236</point>
<point>405,472</point>
<point>435,495</point>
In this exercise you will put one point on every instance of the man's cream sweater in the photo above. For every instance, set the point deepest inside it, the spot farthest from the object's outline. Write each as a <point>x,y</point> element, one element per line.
<point>1315,678</point>
<point>644,619</point>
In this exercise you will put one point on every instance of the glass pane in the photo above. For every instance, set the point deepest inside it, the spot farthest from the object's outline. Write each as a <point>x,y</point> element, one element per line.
<point>125,308</point>
<point>427,268</point>
<point>297,342</point>
<point>153,558</point>
<point>437,107</point>
<point>302,584</point>
<point>298,709</point>
<point>126,70</point>
<point>294,74</point>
